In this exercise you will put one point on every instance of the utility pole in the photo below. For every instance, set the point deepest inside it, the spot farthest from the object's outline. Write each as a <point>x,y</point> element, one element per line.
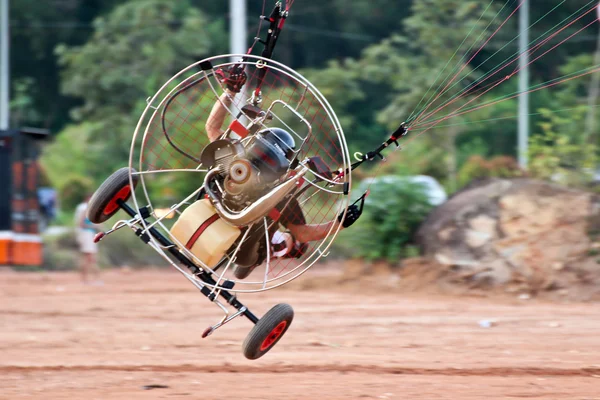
<point>4,66</point>
<point>590,123</point>
<point>238,33</point>
<point>238,30</point>
<point>524,84</point>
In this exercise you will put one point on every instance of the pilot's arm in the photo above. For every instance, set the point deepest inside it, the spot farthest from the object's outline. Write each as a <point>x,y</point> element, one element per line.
<point>233,79</point>
<point>217,116</point>
<point>293,219</point>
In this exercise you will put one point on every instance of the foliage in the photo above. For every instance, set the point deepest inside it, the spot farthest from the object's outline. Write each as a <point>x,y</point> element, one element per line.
<point>22,105</point>
<point>71,152</point>
<point>561,154</point>
<point>478,167</point>
<point>132,52</point>
<point>434,31</point>
<point>61,251</point>
<point>56,259</point>
<point>390,219</point>
<point>403,74</point>
<point>376,62</point>
<point>122,248</point>
<point>74,190</point>
<point>316,34</point>
<point>36,29</point>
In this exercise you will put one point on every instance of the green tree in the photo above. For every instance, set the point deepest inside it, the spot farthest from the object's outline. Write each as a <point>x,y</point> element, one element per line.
<point>36,27</point>
<point>132,52</point>
<point>406,71</point>
<point>560,152</point>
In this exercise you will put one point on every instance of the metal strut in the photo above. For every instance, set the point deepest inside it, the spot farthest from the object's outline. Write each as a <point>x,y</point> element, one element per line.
<point>394,137</point>
<point>201,274</point>
<point>370,156</point>
<point>276,22</point>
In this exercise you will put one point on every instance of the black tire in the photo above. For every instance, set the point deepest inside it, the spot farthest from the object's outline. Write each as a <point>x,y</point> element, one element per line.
<point>102,206</point>
<point>268,331</point>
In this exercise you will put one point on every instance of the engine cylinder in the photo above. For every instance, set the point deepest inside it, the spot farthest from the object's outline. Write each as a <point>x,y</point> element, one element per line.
<point>240,171</point>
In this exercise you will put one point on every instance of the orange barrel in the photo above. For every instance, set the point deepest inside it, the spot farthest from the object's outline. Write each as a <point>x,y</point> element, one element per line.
<point>5,247</point>
<point>27,249</point>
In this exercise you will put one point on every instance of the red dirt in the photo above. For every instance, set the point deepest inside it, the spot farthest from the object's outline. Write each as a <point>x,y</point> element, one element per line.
<point>61,339</point>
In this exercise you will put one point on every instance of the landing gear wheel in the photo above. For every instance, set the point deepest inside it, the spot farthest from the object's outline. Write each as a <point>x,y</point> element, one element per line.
<point>104,203</point>
<point>267,331</point>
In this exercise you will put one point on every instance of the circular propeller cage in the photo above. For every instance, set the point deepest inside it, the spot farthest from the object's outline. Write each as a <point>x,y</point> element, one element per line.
<point>171,136</point>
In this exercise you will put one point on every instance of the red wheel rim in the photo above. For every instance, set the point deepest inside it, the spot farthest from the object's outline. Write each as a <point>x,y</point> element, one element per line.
<point>112,205</point>
<point>273,336</point>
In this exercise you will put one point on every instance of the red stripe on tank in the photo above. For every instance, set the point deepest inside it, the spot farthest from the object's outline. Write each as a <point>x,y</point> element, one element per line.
<point>200,231</point>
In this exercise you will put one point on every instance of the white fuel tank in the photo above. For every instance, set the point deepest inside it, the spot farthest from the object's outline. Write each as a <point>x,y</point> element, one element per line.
<point>201,230</point>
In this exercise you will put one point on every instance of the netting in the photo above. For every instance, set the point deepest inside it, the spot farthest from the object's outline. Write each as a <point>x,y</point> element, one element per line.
<point>172,134</point>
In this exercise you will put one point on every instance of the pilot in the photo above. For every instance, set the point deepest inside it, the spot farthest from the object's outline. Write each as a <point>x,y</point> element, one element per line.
<point>293,242</point>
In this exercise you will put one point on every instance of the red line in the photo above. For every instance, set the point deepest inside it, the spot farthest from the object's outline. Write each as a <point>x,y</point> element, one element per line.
<point>471,59</point>
<point>515,72</point>
<point>511,97</point>
<point>511,62</point>
<point>489,87</point>
<point>539,45</point>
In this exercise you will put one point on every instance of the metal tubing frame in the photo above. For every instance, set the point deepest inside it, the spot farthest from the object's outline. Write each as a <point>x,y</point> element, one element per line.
<point>201,274</point>
<point>246,59</point>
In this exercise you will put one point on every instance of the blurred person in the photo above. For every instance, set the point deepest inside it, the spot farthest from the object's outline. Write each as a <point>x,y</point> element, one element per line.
<point>85,231</point>
<point>47,205</point>
<point>293,242</point>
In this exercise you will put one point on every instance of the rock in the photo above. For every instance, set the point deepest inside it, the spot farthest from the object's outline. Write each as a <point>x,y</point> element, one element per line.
<point>446,234</point>
<point>476,239</point>
<point>518,229</point>
<point>487,323</point>
<point>497,271</point>
<point>484,224</point>
<point>558,266</point>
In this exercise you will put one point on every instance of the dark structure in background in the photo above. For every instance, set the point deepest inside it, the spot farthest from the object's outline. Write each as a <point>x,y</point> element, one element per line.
<point>20,240</point>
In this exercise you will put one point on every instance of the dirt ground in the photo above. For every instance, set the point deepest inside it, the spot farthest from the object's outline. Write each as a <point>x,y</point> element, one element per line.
<point>60,339</point>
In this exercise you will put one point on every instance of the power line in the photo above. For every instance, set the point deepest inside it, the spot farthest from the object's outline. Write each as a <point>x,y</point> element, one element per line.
<point>292,27</point>
<point>329,33</point>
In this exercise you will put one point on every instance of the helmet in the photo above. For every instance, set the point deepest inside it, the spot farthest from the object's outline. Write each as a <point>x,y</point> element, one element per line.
<point>282,139</point>
<point>272,152</point>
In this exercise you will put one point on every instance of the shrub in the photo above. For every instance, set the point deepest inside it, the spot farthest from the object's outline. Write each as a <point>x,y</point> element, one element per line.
<point>73,191</point>
<point>560,154</point>
<point>391,216</point>
<point>60,251</point>
<point>122,248</point>
<point>478,167</point>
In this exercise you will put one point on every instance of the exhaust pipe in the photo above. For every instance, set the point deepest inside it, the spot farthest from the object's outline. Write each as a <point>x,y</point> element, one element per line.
<point>260,208</point>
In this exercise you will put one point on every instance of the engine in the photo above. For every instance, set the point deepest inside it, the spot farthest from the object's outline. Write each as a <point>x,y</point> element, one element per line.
<point>246,171</point>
